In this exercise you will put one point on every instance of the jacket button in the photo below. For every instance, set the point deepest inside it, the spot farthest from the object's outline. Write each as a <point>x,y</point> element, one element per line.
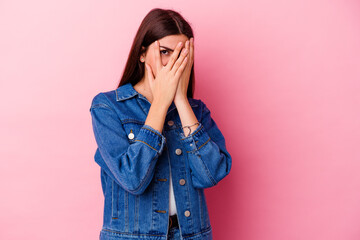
<point>178,151</point>
<point>187,213</point>
<point>182,181</point>
<point>170,123</point>
<point>131,135</point>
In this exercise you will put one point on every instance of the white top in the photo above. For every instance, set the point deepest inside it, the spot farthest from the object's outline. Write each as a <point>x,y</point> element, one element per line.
<point>172,209</point>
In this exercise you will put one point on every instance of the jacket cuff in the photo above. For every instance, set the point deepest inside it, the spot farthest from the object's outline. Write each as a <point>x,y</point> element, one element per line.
<point>196,140</point>
<point>152,138</point>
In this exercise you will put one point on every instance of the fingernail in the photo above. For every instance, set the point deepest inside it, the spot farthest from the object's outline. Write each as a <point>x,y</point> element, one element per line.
<point>180,43</point>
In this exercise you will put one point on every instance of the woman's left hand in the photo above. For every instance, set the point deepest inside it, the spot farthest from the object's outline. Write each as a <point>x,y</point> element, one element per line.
<point>181,92</point>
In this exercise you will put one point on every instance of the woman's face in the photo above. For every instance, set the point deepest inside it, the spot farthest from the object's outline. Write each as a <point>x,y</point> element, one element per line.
<point>167,47</point>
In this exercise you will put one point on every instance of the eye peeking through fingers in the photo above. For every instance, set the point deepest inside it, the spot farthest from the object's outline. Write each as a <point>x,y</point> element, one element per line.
<point>164,52</point>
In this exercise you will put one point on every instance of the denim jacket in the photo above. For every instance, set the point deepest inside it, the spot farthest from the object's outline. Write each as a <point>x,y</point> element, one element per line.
<point>136,161</point>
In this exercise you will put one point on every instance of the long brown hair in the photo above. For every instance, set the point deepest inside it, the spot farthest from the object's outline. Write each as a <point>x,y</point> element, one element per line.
<point>158,23</point>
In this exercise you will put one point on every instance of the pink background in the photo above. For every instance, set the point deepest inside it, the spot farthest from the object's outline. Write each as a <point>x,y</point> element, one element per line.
<point>280,77</point>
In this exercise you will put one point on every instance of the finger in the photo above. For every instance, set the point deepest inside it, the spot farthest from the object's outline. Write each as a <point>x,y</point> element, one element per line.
<point>181,68</point>
<point>188,47</point>
<point>187,44</point>
<point>178,62</point>
<point>191,50</point>
<point>157,56</point>
<point>174,56</point>
<point>149,73</point>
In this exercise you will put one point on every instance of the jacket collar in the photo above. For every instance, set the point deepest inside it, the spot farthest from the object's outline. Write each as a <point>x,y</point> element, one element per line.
<point>127,91</point>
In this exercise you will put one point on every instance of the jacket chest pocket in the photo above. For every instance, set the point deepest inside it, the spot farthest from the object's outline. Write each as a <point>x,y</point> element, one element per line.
<point>132,128</point>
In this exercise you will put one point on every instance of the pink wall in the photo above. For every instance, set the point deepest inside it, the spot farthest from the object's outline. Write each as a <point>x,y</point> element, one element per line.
<point>281,79</point>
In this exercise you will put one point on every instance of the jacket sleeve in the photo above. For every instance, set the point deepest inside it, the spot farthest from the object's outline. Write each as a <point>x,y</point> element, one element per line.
<point>208,157</point>
<point>130,165</point>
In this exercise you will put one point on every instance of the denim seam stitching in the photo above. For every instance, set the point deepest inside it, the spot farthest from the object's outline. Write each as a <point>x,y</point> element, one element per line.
<point>112,197</point>
<point>100,105</point>
<point>201,232</point>
<point>200,206</point>
<point>126,209</point>
<point>146,144</point>
<point>136,217</point>
<point>126,233</point>
<point>131,120</point>
<point>204,143</point>
<point>152,131</point>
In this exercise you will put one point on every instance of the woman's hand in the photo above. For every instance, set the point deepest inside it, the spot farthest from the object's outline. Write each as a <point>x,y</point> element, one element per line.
<point>181,92</point>
<point>163,87</point>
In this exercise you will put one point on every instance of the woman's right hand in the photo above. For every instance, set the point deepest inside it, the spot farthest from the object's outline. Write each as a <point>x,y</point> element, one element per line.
<point>164,85</point>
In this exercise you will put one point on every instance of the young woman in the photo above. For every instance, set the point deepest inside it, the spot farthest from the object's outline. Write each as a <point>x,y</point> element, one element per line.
<point>158,147</point>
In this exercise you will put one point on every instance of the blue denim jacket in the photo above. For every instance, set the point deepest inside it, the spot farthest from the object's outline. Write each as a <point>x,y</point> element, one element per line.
<point>136,161</point>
